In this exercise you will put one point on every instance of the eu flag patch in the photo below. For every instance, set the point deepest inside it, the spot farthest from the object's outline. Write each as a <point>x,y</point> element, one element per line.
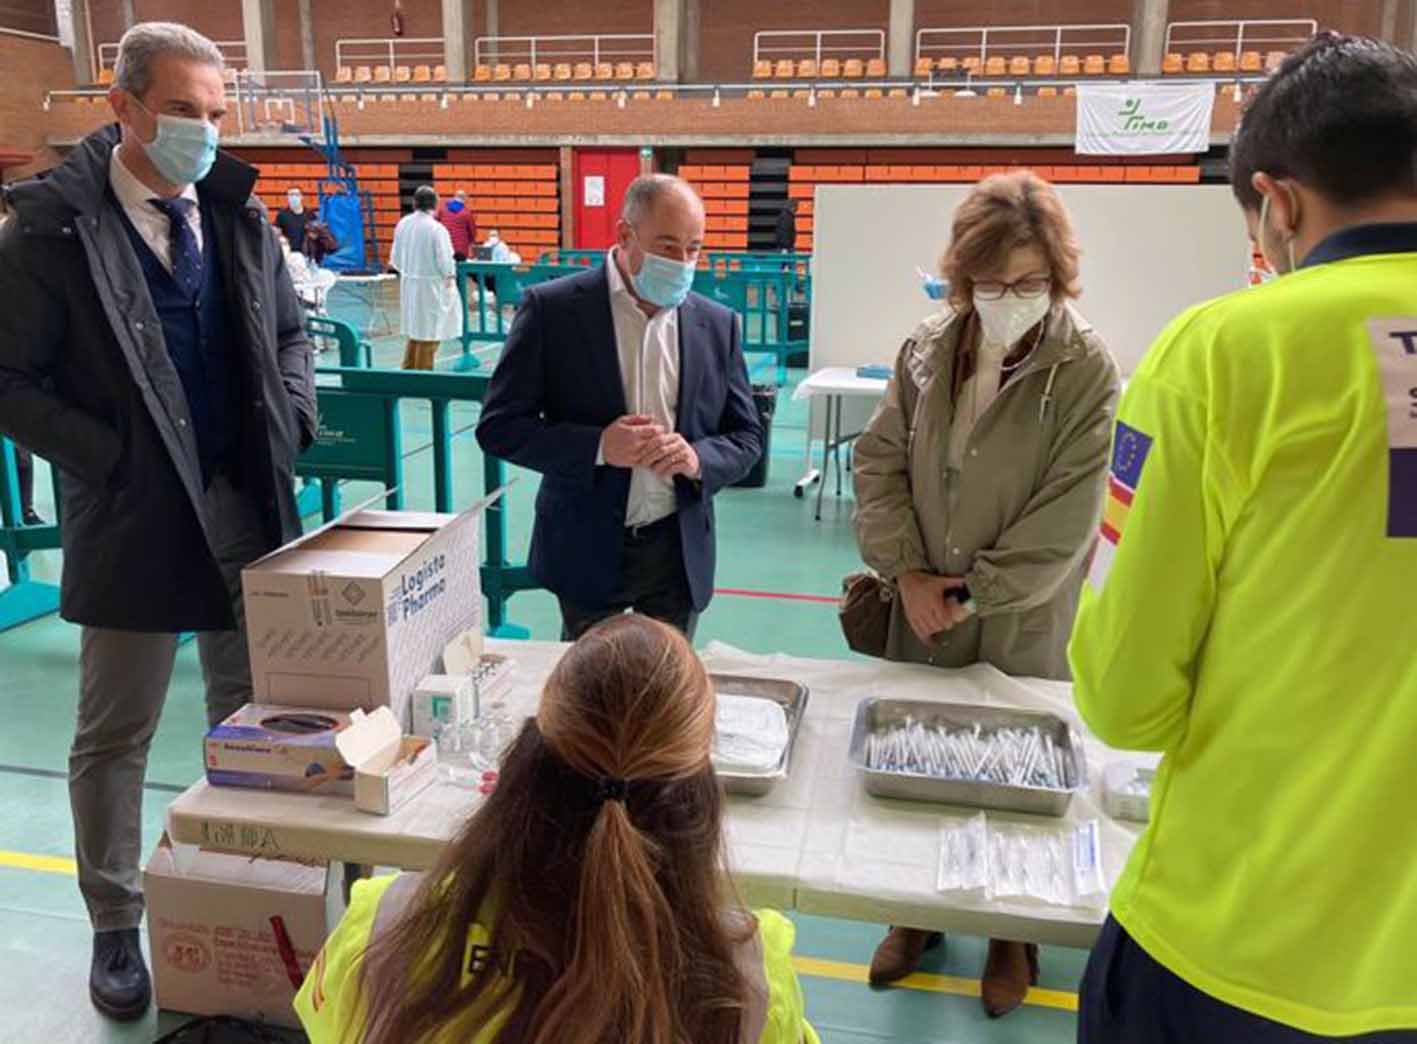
<point>1395,345</point>
<point>1129,452</point>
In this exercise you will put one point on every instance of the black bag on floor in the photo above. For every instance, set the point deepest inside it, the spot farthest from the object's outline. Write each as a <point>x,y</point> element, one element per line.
<point>223,1029</point>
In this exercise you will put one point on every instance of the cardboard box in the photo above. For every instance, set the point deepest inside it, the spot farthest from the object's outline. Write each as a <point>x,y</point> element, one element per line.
<point>440,699</point>
<point>355,614</point>
<point>280,748</point>
<point>214,948</point>
<point>389,767</point>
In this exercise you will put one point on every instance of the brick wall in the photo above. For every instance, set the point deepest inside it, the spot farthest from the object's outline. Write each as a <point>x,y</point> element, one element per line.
<point>726,28</point>
<point>30,16</point>
<point>31,68</point>
<point>1349,16</point>
<point>576,17</point>
<point>943,14</point>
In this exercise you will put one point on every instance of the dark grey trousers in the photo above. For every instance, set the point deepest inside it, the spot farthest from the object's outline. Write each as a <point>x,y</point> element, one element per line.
<point>652,582</point>
<point>123,684</point>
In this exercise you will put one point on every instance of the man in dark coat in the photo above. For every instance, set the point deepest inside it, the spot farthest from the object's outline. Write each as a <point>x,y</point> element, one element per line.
<point>151,349</point>
<point>785,237</point>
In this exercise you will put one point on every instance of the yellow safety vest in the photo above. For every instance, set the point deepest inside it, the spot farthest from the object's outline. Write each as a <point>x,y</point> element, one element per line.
<point>1252,616</point>
<point>331,1003</point>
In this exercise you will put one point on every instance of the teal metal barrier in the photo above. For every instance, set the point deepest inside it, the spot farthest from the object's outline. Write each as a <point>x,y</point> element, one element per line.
<point>352,351</point>
<point>360,439</point>
<point>491,292</point>
<point>25,599</point>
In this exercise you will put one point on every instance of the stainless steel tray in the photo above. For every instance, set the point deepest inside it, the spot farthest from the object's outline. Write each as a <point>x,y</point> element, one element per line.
<point>874,715</point>
<point>793,699</point>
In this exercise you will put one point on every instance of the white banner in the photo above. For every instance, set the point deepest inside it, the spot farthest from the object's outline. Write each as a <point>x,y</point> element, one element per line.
<point>1144,119</point>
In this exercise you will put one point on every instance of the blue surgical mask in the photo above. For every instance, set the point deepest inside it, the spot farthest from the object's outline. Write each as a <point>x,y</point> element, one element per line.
<point>664,282</point>
<point>185,148</point>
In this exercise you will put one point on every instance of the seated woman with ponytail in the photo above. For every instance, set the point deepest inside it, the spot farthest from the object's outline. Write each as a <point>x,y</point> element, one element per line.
<point>586,902</point>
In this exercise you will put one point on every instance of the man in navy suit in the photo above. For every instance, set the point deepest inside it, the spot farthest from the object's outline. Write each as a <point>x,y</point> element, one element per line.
<point>629,394</point>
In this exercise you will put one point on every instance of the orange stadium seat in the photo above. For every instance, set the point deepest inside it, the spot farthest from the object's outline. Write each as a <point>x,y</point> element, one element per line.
<point>948,66</point>
<point>1094,65</point>
<point>645,71</point>
<point>422,74</point>
<point>1224,61</point>
<point>502,73</point>
<point>995,66</point>
<point>625,71</point>
<point>897,92</point>
<point>757,95</point>
<point>383,74</point>
<point>854,69</point>
<point>807,69</point>
<point>563,72</point>
<point>482,74</point>
<point>762,70</point>
<point>784,70</point>
<point>876,69</point>
<point>521,71</point>
<point>1198,62</point>
<point>346,74</point>
<point>105,76</point>
<point>1047,92</point>
<point>440,74</point>
<point>924,67</point>
<point>1119,65</point>
<point>972,64</point>
<point>875,93</point>
<point>605,71</point>
<point>363,74</point>
<point>1173,64</point>
<point>403,74</point>
<point>1071,65</point>
<point>541,73</point>
<point>1046,65</point>
<point>584,71</point>
<point>831,68</point>
<point>1020,66</point>
<point>1251,62</point>
<point>997,92</point>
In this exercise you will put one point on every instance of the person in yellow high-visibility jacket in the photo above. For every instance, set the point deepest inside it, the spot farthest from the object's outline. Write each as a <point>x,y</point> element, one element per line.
<point>1251,610</point>
<point>587,900</point>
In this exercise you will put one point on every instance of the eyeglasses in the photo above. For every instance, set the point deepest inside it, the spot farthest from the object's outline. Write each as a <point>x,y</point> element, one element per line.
<point>1028,286</point>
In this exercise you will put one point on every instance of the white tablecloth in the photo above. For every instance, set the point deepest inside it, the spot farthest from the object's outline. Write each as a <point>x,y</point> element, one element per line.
<point>840,380</point>
<point>819,843</point>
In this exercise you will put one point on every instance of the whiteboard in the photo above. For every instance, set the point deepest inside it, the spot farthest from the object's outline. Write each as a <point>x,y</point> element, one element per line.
<point>1148,253</point>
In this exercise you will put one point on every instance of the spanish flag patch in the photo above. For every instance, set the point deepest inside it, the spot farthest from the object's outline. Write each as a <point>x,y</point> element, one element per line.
<point>1129,452</point>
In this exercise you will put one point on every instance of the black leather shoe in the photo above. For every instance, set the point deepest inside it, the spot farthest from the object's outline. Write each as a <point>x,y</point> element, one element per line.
<point>118,980</point>
<point>33,518</point>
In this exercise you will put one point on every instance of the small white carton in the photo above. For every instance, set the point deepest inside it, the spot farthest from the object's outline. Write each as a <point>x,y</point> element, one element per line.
<point>356,613</point>
<point>389,767</point>
<point>441,699</point>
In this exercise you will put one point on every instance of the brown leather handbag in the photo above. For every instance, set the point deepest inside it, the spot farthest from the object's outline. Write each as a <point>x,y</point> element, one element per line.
<point>865,613</point>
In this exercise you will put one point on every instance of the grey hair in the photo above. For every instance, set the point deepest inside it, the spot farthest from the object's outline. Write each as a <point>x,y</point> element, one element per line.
<point>425,197</point>
<point>648,189</point>
<point>143,44</point>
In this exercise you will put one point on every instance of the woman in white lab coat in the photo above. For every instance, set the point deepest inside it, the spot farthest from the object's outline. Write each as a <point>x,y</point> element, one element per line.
<point>422,255</point>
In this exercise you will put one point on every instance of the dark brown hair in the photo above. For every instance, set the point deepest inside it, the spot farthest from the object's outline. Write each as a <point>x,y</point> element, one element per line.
<point>609,915</point>
<point>1002,212</point>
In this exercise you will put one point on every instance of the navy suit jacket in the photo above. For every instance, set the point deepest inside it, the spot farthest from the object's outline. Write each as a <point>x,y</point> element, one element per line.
<point>556,389</point>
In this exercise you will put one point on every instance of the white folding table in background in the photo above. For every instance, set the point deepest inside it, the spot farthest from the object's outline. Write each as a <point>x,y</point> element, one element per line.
<point>818,843</point>
<point>835,384</point>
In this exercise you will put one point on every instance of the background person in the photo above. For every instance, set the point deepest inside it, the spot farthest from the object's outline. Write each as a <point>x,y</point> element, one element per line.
<point>589,889</point>
<point>785,237</point>
<point>174,430</point>
<point>588,392</point>
<point>1012,391</point>
<point>430,307</point>
<point>457,217</point>
<point>293,219</point>
<point>1256,621</point>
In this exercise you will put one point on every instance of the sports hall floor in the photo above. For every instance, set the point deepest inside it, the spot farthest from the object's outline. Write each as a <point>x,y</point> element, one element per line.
<point>768,543</point>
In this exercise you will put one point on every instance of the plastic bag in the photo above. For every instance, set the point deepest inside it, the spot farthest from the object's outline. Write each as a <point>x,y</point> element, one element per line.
<point>964,855</point>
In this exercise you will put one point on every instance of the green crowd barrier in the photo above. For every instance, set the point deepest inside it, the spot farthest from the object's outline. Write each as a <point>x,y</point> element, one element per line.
<point>360,438</point>
<point>352,351</point>
<point>25,599</point>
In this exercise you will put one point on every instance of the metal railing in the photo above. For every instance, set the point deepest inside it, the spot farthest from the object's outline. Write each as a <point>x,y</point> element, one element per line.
<point>987,42</point>
<point>233,52</point>
<point>389,51</point>
<point>534,50</point>
<point>25,34</point>
<point>773,44</point>
<point>1260,35</point>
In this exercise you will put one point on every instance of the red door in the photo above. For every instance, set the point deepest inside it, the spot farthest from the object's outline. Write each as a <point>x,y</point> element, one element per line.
<point>601,176</point>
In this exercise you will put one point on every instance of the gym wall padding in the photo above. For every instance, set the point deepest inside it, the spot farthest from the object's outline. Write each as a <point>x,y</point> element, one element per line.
<point>1148,253</point>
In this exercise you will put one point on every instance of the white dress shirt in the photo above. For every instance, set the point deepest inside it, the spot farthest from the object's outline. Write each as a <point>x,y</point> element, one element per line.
<point>151,223</point>
<point>649,370</point>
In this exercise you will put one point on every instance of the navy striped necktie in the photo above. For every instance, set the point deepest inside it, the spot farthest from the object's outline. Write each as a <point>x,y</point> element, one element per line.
<point>186,255</point>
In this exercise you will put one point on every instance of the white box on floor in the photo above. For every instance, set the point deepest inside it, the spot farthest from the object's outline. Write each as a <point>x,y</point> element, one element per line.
<point>212,931</point>
<point>356,613</point>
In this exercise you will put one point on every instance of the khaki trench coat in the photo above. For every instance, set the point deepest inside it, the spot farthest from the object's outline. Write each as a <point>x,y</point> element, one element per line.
<point>1018,521</point>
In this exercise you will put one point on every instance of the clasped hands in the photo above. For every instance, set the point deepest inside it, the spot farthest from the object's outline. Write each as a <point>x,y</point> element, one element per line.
<point>928,608</point>
<point>636,441</point>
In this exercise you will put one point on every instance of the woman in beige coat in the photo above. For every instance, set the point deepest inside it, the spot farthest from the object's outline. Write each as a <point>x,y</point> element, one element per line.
<point>979,480</point>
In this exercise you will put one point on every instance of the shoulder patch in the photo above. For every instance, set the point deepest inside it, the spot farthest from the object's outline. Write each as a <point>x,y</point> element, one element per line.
<point>1395,344</point>
<point>1130,449</point>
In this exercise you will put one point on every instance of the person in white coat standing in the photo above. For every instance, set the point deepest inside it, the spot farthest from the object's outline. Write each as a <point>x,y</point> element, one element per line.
<point>428,293</point>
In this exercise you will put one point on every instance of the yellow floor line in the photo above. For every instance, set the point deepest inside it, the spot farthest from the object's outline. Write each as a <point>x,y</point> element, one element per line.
<point>843,972</point>
<point>811,967</point>
<point>38,863</point>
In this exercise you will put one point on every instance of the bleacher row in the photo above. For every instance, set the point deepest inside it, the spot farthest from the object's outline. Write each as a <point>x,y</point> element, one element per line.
<point>725,191</point>
<point>803,180</point>
<point>1019,66</point>
<point>522,72</point>
<point>521,201</point>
